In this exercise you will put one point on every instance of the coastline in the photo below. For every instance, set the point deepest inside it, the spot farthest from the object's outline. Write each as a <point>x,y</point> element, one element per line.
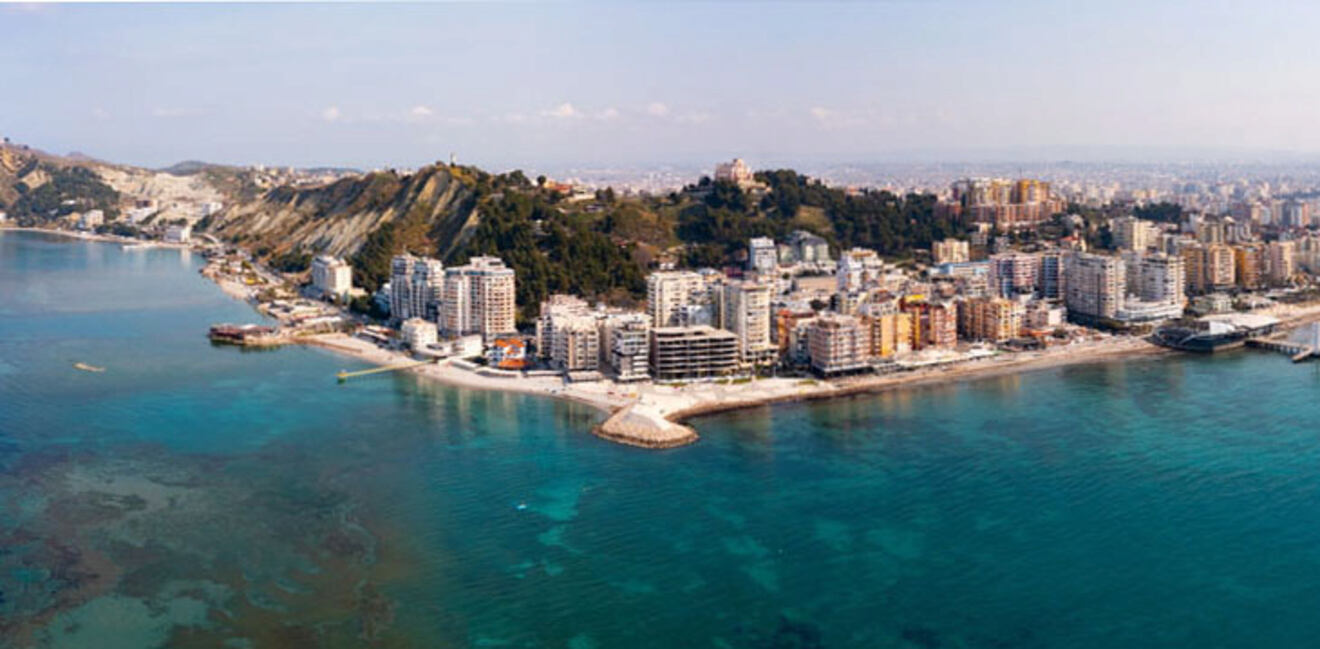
<point>92,236</point>
<point>655,416</point>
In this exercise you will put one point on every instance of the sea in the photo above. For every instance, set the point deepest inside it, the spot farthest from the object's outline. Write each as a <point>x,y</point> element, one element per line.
<point>193,495</point>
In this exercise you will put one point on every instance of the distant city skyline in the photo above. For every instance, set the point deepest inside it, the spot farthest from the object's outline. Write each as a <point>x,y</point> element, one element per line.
<point>558,85</point>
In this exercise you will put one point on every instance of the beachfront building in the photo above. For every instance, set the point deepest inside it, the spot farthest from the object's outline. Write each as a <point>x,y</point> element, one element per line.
<point>746,313</point>
<point>178,233</point>
<point>556,307</point>
<point>625,346</point>
<point>762,255</point>
<point>890,330</point>
<point>668,292</point>
<point>1096,284</point>
<point>575,344</point>
<point>419,334</point>
<point>934,324</point>
<point>993,319</point>
<point>91,219</point>
<point>331,276</point>
<point>950,251</point>
<point>415,284</point>
<point>692,353</point>
<point>838,345</point>
<point>479,298</point>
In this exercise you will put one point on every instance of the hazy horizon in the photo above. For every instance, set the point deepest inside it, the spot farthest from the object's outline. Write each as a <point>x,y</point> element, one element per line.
<point>562,85</point>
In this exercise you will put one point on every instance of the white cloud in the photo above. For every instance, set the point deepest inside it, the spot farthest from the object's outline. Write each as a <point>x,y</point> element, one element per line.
<point>563,111</point>
<point>421,111</point>
<point>100,113</point>
<point>694,118</point>
<point>657,109</point>
<point>608,114</point>
<point>331,114</point>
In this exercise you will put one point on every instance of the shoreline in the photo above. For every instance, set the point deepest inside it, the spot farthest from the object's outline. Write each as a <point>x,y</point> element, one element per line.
<point>655,416</point>
<point>99,238</point>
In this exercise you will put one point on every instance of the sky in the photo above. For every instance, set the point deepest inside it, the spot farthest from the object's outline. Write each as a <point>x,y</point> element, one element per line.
<point>650,83</point>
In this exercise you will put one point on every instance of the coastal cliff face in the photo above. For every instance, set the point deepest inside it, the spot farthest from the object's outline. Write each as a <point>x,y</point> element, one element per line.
<point>435,206</point>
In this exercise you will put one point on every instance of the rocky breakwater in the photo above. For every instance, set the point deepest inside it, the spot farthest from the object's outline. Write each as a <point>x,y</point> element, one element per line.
<point>644,425</point>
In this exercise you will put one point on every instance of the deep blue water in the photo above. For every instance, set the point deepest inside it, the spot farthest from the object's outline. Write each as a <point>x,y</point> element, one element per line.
<point>195,496</point>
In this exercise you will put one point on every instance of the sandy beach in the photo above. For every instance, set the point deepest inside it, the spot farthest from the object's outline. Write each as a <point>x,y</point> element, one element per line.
<point>652,416</point>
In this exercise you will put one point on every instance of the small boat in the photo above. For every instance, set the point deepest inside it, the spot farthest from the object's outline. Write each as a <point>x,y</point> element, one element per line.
<point>87,368</point>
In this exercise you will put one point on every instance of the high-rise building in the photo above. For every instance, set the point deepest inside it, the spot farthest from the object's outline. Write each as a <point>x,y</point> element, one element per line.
<point>575,344</point>
<point>1005,204</point>
<point>1050,278</point>
<point>838,344</point>
<point>1249,265</point>
<point>625,346</point>
<point>415,287</point>
<point>1162,279</point>
<point>934,324</point>
<point>555,309</point>
<point>1096,284</point>
<point>746,312</point>
<point>667,292</point>
<point>1209,267</point>
<point>331,276</point>
<point>950,251</point>
<point>1280,262</point>
<point>479,298</point>
<point>994,319</point>
<point>1131,233</point>
<point>762,255</point>
<point>1014,273</point>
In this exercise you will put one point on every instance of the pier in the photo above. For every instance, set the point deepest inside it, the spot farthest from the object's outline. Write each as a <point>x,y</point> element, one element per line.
<point>1297,351</point>
<point>1299,346</point>
<point>345,375</point>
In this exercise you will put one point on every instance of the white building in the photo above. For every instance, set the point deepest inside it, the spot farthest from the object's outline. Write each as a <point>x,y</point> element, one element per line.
<point>415,284</point>
<point>668,292</point>
<point>747,313</point>
<point>1096,284</point>
<point>479,298</point>
<point>762,255</point>
<point>419,334</point>
<point>179,233</point>
<point>858,270</point>
<point>625,346</point>
<point>91,219</point>
<point>331,276</point>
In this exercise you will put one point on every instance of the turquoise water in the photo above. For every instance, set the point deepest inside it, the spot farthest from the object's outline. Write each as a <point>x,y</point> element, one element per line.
<point>199,496</point>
